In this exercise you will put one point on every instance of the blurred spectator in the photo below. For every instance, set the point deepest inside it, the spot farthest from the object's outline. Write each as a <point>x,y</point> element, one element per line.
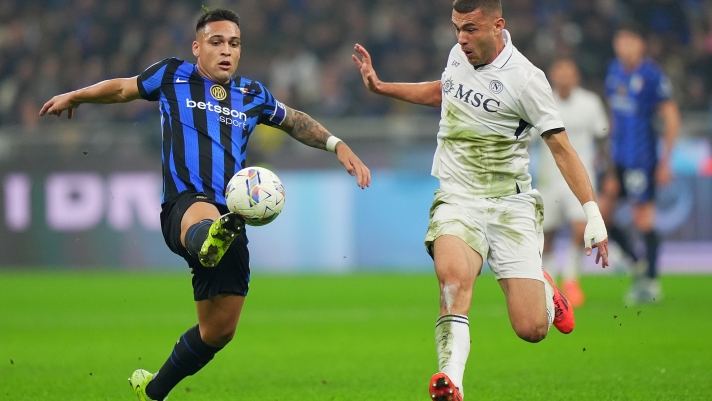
<point>300,48</point>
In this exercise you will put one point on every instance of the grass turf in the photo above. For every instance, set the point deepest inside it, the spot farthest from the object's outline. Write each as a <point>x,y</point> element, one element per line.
<point>79,335</point>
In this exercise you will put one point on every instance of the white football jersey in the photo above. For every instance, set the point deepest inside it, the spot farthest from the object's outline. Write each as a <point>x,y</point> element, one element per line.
<point>585,119</point>
<point>486,123</point>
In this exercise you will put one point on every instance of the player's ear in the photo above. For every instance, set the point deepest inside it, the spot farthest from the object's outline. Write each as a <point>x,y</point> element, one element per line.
<point>196,49</point>
<point>498,25</point>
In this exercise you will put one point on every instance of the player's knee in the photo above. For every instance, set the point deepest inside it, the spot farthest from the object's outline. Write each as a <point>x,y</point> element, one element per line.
<point>455,297</point>
<point>218,336</point>
<point>532,332</point>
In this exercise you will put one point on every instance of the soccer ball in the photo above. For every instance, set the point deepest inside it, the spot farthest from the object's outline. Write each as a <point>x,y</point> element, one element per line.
<point>256,194</point>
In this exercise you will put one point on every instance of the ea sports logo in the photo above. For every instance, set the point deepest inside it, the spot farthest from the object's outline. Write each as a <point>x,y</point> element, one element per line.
<point>218,92</point>
<point>496,87</point>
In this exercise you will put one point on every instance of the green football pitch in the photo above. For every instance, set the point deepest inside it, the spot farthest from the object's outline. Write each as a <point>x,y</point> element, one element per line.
<point>79,335</point>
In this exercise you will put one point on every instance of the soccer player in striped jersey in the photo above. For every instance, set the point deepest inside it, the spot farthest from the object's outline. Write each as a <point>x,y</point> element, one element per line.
<point>638,90</point>
<point>492,101</point>
<point>207,117</point>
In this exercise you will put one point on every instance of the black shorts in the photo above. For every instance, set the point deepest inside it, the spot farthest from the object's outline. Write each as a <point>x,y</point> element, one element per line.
<point>231,275</point>
<point>637,184</point>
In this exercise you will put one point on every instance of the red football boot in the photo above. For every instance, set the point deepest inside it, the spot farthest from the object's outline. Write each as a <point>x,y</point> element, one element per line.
<point>441,388</point>
<point>564,312</point>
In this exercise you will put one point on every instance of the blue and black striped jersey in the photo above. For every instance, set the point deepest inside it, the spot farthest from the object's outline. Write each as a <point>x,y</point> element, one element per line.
<point>205,125</point>
<point>634,97</point>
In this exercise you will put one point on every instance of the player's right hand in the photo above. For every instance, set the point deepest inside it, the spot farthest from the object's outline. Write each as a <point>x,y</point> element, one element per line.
<point>370,79</point>
<point>58,104</point>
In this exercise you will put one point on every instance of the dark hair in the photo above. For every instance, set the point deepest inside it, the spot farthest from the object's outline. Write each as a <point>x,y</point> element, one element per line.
<point>487,6</point>
<point>632,27</point>
<point>217,14</point>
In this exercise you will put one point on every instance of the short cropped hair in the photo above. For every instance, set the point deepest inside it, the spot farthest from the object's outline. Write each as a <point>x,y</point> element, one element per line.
<point>217,14</point>
<point>632,27</point>
<point>487,6</point>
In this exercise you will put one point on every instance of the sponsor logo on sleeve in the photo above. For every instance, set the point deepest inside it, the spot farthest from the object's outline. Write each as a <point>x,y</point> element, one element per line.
<point>448,85</point>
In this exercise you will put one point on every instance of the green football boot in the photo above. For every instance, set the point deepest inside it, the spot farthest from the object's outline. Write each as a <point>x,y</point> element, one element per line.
<point>222,232</point>
<point>138,381</point>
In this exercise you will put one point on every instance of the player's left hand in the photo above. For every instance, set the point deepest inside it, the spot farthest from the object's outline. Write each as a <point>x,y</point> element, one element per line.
<point>354,166</point>
<point>595,235</point>
<point>602,252</point>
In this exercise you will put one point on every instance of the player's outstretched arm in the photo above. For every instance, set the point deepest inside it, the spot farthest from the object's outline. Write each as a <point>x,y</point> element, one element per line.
<point>574,172</point>
<point>118,90</point>
<point>425,93</point>
<point>308,131</point>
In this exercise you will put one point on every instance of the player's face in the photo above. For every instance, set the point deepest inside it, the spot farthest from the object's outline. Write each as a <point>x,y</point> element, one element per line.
<point>217,47</point>
<point>564,75</point>
<point>477,34</point>
<point>629,48</point>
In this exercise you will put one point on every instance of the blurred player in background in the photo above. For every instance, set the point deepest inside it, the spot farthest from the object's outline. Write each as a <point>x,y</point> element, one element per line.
<point>207,117</point>
<point>586,122</point>
<point>492,100</point>
<point>638,90</point>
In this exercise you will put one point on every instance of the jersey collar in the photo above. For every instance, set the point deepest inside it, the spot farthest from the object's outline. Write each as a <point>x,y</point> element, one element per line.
<point>506,53</point>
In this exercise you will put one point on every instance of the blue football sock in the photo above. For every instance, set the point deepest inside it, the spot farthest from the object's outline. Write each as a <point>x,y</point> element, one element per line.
<point>196,235</point>
<point>189,355</point>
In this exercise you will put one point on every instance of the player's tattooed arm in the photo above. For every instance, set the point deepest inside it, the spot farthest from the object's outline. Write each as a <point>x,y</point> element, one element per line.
<point>302,127</point>
<point>309,132</point>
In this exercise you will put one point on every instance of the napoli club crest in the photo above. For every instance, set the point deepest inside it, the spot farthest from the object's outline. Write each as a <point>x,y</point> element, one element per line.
<point>496,87</point>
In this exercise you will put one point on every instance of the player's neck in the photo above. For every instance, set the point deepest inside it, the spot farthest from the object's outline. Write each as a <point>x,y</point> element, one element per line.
<point>206,76</point>
<point>498,49</point>
<point>564,93</point>
<point>633,65</point>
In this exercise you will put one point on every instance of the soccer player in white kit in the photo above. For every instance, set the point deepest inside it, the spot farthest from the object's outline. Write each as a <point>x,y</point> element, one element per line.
<point>586,122</point>
<point>492,100</point>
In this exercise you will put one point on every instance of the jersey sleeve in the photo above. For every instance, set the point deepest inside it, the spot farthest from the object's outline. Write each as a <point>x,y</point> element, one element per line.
<point>537,105</point>
<point>274,112</point>
<point>149,82</point>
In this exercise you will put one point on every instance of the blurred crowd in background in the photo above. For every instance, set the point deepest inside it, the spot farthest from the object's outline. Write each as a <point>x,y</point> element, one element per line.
<point>301,48</point>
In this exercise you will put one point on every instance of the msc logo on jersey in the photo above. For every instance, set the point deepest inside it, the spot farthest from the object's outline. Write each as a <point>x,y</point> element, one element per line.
<point>218,92</point>
<point>477,100</point>
<point>496,87</point>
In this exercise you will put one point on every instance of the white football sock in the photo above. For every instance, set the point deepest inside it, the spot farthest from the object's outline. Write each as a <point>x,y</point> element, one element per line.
<point>550,312</point>
<point>452,340</point>
<point>572,266</point>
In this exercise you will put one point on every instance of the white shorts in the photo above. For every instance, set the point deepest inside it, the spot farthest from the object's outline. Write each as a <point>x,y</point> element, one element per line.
<point>561,207</point>
<point>505,231</point>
